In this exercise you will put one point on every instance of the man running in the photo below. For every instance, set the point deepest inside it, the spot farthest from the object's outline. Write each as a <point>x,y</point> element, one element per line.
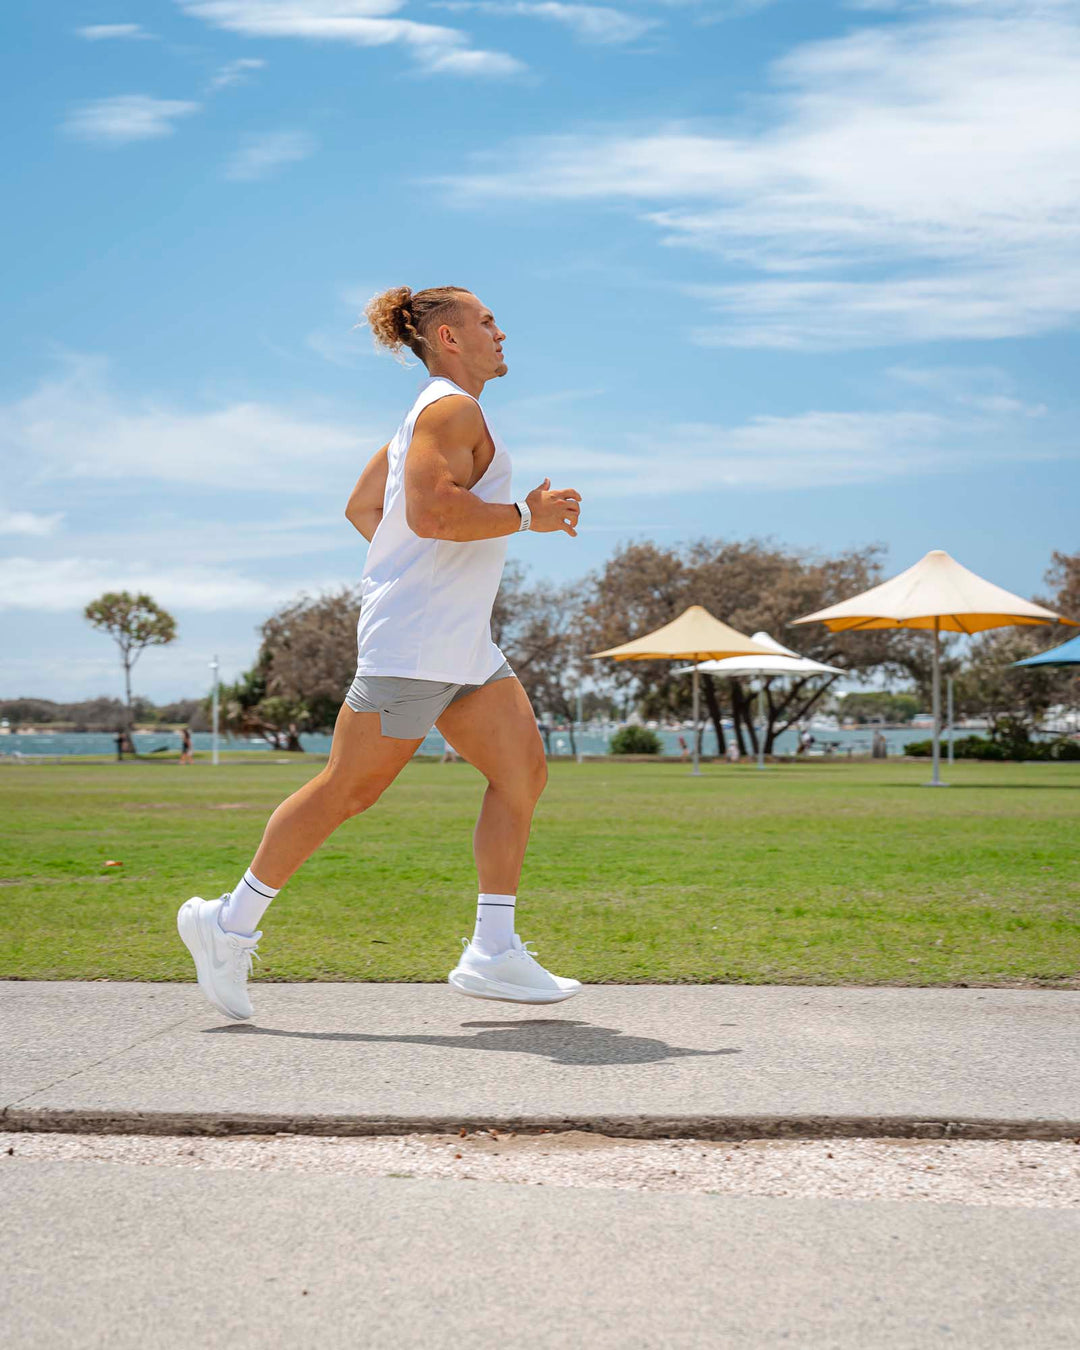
<point>436,508</point>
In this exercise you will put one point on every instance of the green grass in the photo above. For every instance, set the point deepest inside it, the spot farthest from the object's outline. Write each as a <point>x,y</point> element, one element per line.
<point>818,873</point>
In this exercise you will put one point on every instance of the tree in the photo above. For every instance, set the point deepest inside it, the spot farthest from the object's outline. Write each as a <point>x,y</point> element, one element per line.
<point>751,585</point>
<point>881,706</point>
<point>1063,576</point>
<point>305,664</point>
<point>308,653</point>
<point>247,710</point>
<point>134,622</point>
<point>989,686</point>
<point>537,627</point>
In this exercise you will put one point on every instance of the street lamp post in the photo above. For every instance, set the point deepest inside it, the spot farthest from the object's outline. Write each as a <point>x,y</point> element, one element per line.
<point>214,713</point>
<point>580,729</point>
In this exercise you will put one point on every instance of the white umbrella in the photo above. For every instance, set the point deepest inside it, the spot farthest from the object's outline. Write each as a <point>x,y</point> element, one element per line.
<point>783,661</point>
<point>693,636</point>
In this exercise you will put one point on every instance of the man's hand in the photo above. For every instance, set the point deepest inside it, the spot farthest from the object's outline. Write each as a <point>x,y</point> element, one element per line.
<point>554,510</point>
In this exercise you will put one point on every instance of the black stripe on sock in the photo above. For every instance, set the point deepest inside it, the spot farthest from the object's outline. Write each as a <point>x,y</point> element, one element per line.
<point>248,882</point>
<point>491,904</point>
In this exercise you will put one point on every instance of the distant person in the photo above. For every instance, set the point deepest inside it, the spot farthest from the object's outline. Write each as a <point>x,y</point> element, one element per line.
<point>805,742</point>
<point>733,752</point>
<point>186,756</point>
<point>684,749</point>
<point>120,738</point>
<point>436,507</point>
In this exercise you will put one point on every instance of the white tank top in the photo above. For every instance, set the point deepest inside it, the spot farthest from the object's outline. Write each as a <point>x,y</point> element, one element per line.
<point>426,604</point>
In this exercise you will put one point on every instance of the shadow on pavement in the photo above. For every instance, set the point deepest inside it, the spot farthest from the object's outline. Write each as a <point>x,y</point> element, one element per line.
<point>563,1042</point>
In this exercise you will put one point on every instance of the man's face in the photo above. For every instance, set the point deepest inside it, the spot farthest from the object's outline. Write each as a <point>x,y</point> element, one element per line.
<point>479,339</point>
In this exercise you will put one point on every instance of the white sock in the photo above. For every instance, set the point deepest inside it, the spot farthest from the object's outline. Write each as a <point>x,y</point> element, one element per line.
<point>494,931</point>
<point>246,906</point>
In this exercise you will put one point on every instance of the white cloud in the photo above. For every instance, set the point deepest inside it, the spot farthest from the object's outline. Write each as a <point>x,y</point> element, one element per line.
<point>469,61</point>
<point>345,347</point>
<point>591,23</point>
<point>987,389</point>
<point>101,32</point>
<point>813,449</point>
<point>1011,8</point>
<point>263,155</point>
<point>75,426</point>
<point>939,153</point>
<point>180,670</point>
<point>363,23</point>
<point>126,118</point>
<point>29,523</point>
<point>1024,297</point>
<point>60,584</point>
<point>236,72</point>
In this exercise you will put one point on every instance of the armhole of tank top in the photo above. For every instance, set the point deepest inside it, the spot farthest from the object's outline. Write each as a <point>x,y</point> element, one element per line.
<point>448,393</point>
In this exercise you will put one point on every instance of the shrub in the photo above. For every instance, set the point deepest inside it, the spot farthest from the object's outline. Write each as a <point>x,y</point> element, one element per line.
<point>635,741</point>
<point>1015,748</point>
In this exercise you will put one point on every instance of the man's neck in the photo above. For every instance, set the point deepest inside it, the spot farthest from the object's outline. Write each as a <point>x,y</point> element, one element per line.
<point>458,377</point>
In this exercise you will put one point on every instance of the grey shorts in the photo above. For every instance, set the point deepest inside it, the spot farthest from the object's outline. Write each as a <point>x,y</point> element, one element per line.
<point>408,709</point>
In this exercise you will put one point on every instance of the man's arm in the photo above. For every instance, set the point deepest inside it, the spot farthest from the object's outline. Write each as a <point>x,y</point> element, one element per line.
<point>439,468</point>
<point>364,510</point>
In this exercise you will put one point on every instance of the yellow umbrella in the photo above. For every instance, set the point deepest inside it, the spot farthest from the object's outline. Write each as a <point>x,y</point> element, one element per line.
<point>694,636</point>
<point>941,595</point>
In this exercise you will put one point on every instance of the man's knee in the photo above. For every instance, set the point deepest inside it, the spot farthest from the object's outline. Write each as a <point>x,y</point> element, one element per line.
<point>351,798</point>
<point>538,772</point>
<point>526,780</point>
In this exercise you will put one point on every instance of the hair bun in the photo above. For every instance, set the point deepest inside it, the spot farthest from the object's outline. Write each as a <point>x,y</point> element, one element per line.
<point>398,317</point>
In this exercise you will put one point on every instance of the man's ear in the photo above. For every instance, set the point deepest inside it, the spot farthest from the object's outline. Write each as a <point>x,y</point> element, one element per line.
<point>446,335</point>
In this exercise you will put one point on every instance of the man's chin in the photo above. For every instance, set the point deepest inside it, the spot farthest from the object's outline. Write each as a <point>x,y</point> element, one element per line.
<point>501,370</point>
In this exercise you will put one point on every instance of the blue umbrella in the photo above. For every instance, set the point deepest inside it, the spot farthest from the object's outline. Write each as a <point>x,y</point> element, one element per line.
<point>1068,654</point>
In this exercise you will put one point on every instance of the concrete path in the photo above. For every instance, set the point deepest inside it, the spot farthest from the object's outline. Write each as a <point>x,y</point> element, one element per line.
<point>156,1258</point>
<point>701,1061</point>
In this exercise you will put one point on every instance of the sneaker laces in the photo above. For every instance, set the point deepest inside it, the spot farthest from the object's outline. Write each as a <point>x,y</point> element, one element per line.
<point>241,961</point>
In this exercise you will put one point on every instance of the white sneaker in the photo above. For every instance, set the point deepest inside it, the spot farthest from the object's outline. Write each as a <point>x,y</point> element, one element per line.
<point>222,960</point>
<point>514,976</point>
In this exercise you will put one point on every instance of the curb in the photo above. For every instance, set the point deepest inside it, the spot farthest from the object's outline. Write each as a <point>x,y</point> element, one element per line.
<point>32,1120</point>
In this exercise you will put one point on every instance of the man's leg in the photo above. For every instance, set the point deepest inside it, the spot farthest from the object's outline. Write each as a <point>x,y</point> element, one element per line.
<point>495,730</point>
<point>362,765</point>
<point>220,934</point>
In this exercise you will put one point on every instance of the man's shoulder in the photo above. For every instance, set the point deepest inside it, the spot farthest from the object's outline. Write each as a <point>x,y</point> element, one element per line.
<point>452,412</point>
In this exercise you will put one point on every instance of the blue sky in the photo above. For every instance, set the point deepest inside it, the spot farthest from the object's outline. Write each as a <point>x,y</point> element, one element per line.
<point>798,270</point>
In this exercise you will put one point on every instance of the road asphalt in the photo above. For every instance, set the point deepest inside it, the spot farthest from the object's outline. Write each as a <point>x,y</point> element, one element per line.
<point>155,1258</point>
<point>705,1061</point>
<point>160,1257</point>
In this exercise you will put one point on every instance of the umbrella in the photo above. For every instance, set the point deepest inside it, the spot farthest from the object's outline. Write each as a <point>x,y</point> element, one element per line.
<point>694,636</point>
<point>783,661</point>
<point>1068,654</point>
<point>940,595</point>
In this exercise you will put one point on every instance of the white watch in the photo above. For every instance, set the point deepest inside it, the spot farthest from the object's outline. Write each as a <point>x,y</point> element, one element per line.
<point>526,516</point>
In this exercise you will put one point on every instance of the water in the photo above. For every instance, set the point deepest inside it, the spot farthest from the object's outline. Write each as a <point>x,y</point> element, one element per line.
<point>593,740</point>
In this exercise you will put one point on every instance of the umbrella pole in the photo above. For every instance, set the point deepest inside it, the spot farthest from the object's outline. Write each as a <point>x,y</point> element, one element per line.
<point>761,727</point>
<point>935,781</point>
<point>949,715</point>
<point>697,696</point>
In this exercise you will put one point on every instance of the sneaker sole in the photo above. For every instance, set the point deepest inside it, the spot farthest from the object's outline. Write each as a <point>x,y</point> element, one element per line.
<point>187,925</point>
<point>474,986</point>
